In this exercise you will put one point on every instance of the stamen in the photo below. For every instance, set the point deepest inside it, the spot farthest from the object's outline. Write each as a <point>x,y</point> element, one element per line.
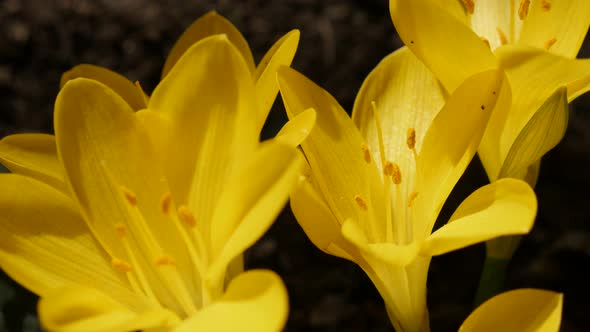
<point>396,174</point>
<point>412,197</point>
<point>523,8</point>
<point>411,138</point>
<point>129,196</point>
<point>469,5</point>
<point>503,39</point>
<point>165,203</point>
<point>121,230</point>
<point>546,5</point>
<point>361,202</point>
<point>486,41</point>
<point>366,153</point>
<point>550,43</point>
<point>187,216</point>
<point>121,265</point>
<point>164,260</point>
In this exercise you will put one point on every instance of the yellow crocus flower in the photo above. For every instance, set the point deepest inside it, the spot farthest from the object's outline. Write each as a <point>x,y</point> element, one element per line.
<point>518,310</point>
<point>534,41</point>
<point>137,220</point>
<point>372,192</point>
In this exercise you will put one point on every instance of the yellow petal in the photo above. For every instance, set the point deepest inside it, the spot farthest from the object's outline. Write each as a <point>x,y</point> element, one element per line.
<point>385,252</point>
<point>448,47</point>
<point>334,151</point>
<point>45,244</point>
<point>496,21</point>
<point>406,95</point>
<point>280,54</point>
<point>208,25</point>
<point>451,142</point>
<point>519,310</point>
<point>253,198</point>
<point>541,134</point>
<point>318,222</point>
<point>207,101</point>
<point>504,207</point>
<point>565,21</point>
<point>118,83</point>
<point>297,129</point>
<point>255,301</point>
<point>76,308</point>
<point>525,68</point>
<point>490,152</point>
<point>106,153</point>
<point>33,155</point>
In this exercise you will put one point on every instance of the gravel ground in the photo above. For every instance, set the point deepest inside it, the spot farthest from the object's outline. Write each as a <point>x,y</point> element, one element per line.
<point>341,41</point>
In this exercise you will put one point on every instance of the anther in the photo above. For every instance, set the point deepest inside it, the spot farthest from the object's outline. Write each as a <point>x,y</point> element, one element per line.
<point>486,41</point>
<point>166,202</point>
<point>503,38</point>
<point>411,138</point>
<point>361,202</point>
<point>388,168</point>
<point>469,5</point>
<point>550,43</point>
<point>121,265</point>
<point>412,197</point>
<point>546,5</point>
<point>164,260</point>
<point>523,8</point>
<point>396,174</point>
<point>187,216</point>
<point>129,196</point>
<point>366,153</point>
<point>121,230</point>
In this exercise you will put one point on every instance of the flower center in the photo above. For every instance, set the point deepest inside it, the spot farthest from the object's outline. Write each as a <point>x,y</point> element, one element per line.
<point>152,271</point>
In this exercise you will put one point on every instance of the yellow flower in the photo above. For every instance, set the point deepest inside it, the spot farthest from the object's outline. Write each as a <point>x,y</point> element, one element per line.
<point>138,220</point>
<point>534,41</point>
<point>373,191</point>
<point>519,310</point>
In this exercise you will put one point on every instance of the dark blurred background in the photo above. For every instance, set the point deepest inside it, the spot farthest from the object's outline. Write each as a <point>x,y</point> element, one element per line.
<point>341,41</point>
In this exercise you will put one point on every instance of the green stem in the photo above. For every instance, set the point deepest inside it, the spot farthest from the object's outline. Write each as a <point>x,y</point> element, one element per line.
<point>492,279</point>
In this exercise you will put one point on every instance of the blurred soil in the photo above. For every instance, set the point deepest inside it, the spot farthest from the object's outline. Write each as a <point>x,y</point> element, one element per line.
<point>341,41</point>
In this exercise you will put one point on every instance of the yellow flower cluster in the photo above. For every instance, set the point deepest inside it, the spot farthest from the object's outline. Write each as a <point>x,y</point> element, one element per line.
<point>136,213</point>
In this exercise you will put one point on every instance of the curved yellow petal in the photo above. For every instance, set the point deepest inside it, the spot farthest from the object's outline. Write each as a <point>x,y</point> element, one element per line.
<point>385,252</point>
<point>319,223</point>
<point>255,301</point>
<point>280,54</point>
<point>519,310</point>
<point>490,152</point>
<point>450,144</point>
<point>559,26</point>
<point>33,155</point>
<point>448,47</point>
<point>207,102</point>
<point>45,244</point>
<point>496,21</point>
<point>525,68</point>
<point>117,82</point>
<point>75,308</point>
<point>107,157</point>
<point>253,198</point>
<point>541,134</point>
<point>406,96</point>
<point>338,156</point>
<point>206,26</point>
<point>298,128</point>
<point>504,207</point>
